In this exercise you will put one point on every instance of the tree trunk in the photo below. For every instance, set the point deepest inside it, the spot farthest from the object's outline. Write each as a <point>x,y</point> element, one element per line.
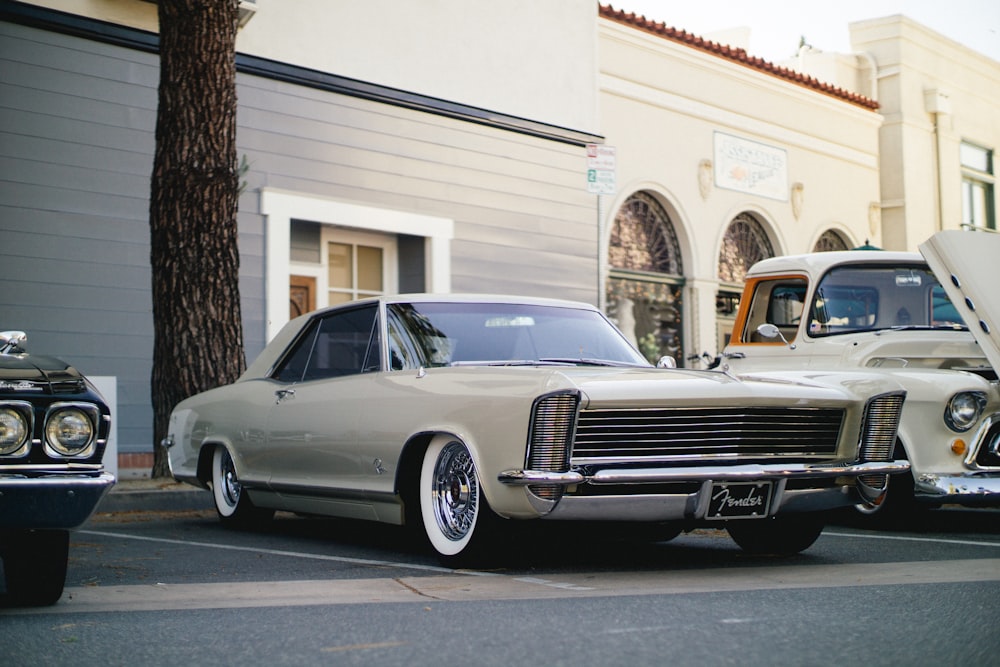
<point>198,330</point>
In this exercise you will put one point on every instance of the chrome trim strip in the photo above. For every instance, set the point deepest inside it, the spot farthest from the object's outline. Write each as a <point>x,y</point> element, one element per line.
<point>525,477</point>
<point>958,488</point>
<point>978,441</point>
<point>704,473</point>
<point>22,470</point>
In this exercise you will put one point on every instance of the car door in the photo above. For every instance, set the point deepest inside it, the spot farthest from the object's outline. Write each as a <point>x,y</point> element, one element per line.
<point>318,391</point>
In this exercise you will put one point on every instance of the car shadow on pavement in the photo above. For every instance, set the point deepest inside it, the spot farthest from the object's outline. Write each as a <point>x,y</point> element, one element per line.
<point>950,519</point>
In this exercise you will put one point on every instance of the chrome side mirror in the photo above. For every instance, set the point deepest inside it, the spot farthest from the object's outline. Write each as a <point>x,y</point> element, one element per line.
<point>768,330</point>
<point>12,342</point>
<point>666,362</point>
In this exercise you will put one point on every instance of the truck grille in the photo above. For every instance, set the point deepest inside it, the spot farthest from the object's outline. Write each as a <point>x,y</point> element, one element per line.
<point>643,434</point>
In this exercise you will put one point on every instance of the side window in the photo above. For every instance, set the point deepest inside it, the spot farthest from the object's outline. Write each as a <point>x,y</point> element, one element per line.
<point>343,343</point>
<point>403,354</point>
<point>373,358</point>
<point>786,304</point>
<point>778,302</point>
<point>294,365</point>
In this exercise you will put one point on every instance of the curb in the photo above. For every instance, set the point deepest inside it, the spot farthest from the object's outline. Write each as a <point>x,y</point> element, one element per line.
<point>156,500</point>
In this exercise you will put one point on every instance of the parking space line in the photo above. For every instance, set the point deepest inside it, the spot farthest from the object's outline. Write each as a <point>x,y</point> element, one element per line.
<point>294,554</point>
<point>912,538</point>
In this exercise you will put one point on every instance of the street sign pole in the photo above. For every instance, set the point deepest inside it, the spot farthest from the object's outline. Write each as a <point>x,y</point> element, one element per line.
<point>601,180</point>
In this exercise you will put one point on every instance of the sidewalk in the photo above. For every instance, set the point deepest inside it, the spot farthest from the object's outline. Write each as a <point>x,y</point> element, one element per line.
<point>154,495</point>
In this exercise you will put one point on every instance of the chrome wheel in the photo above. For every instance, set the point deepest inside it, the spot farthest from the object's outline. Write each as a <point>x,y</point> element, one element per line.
<point>455,492</point>
<point>226,486</point>
<point>233,505</point>
<point>452,507</point>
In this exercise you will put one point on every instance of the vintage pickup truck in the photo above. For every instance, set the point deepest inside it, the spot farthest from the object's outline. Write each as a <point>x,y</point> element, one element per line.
<point>931,320</point>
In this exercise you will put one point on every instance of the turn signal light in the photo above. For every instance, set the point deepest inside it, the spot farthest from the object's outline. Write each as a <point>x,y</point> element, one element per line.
<point>958,446</point>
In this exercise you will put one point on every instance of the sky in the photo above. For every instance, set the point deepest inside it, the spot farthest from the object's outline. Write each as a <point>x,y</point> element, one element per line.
<point>776,25</point>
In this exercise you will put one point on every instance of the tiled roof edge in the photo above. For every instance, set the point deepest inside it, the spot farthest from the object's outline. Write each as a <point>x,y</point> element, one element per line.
<point>734,54</point>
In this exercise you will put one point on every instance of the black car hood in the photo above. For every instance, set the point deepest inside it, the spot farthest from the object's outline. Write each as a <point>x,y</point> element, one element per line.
<point>22,373</point>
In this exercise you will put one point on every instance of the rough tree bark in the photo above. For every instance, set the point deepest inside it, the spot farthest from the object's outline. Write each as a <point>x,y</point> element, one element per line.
<point>197,323</point>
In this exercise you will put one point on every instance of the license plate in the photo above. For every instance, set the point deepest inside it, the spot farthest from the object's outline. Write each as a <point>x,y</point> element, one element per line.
<point>740,500</point>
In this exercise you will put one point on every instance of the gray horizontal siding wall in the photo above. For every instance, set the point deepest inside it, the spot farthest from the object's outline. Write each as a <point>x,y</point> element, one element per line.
<point>77,119</point>
<point>76,145</point>
<point>524,223</point>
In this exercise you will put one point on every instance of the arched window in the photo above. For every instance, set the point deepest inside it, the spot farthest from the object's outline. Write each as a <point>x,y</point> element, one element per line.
<point>744,244</point>
<point>830,241</point>
<point>646,276</point>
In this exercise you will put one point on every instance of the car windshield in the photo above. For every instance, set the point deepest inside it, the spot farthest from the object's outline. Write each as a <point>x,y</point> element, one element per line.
<point>451,334</point>
<point>868,298</point>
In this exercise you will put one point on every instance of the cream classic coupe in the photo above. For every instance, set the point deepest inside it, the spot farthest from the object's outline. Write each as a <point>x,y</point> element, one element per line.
<point>452,413</point>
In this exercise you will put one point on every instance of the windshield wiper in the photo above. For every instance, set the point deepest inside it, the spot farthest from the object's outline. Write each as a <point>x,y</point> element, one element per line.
<point>929,327</point>
<point>586,362</point>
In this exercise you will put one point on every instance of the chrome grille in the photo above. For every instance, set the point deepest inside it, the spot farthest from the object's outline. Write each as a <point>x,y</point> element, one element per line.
<point>641,434</point>
<point>549,438</point>
<point>878,435</point>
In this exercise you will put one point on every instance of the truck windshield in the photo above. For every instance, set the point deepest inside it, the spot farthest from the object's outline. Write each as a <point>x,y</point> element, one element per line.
<point>868,298</point>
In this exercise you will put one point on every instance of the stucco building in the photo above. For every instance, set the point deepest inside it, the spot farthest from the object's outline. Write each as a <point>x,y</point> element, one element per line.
<point>723,159</point>
<point>940,102</point>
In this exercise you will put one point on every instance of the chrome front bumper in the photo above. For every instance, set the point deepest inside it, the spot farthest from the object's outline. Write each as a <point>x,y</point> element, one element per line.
<point>694,506</point>
<point>52,501</point>
<point>735,473</point>
<point>971,489</point>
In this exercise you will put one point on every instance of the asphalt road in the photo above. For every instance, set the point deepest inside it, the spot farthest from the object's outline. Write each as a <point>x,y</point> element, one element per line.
<point>176,588</point>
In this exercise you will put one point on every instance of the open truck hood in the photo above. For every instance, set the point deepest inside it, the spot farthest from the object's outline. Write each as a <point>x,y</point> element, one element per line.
<point>966,263</point>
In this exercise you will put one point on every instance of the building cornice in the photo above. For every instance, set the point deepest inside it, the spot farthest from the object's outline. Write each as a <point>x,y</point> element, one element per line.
<point>732,54</point>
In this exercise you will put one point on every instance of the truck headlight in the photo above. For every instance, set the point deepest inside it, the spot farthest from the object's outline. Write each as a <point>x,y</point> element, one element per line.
<point>964,410</point>
<point>69,430</point>
<point>14,429</point>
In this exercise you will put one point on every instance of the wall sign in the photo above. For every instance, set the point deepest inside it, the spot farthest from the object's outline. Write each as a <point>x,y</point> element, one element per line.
<point>751,167</point>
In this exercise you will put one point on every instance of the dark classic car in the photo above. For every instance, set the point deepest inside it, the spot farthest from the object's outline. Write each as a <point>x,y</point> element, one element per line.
<point>53,431</point>
<point>452,413</point>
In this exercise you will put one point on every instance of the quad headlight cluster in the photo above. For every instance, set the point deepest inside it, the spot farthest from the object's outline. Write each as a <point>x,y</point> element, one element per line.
<point>964,410</point>
<point>70,429</point>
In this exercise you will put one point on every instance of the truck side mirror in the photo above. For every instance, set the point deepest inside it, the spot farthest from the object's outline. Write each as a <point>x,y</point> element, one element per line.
<point>768,330</point>
<point>666,361</point>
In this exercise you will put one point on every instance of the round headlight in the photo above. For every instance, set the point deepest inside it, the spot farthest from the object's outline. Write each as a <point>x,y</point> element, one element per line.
<point>13,430</point>
<point>69,431</point>
<point>964,410</point>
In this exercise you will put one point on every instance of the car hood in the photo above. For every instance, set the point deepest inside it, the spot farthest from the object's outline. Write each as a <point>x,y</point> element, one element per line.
<point>965,265</point>
<point>654,386</point>
<point>29,372</point>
